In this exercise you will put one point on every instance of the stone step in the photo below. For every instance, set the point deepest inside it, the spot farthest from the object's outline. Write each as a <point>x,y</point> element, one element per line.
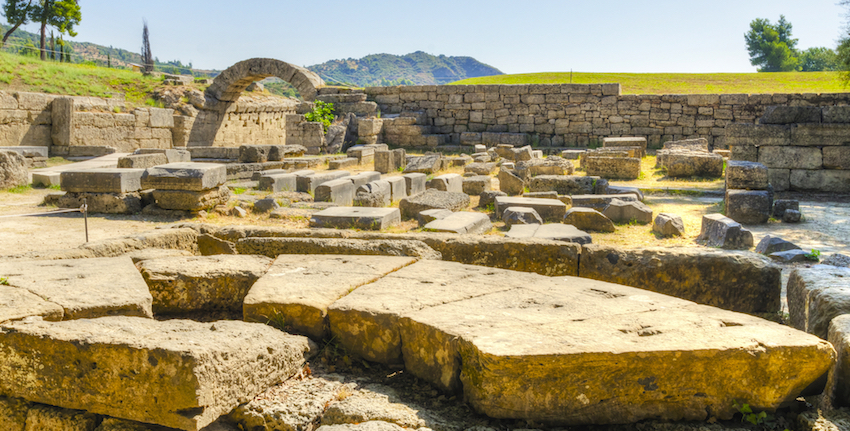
<point>102,180</point>
<point>573,351</point>
<point>356,218</point>
<point>175,373</point>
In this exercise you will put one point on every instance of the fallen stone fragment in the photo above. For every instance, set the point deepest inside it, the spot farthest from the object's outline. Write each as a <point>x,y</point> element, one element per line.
<point>487,198</point>
<point>551,210</point>
<point>837,259</point>
<point>210,246</point>
<point>83,288</point>
<point>373,403</point>
<point>772,244</point>
<point>737,281</point>
<point>668,225</point>
<point>748,206</point>
<point>588,219</point>
<point>184,285</point>
<point>432,199</point>
<point>838,383</point>
<point>520,215</point>
<point>292,405</point>
<point>13,170</point>
<point>185,176</point>
<point>789,256</point>
<point>782,205</point>
<point>626,212</point>
<point>791,216</point>
<point>13,413</point>
<point>174,373</point>
<point>816,296</point>
<point>746,175</point>
<point>427,216</point>
<point>510,183</point>
<point>298,289</point>
<point>718,230</point>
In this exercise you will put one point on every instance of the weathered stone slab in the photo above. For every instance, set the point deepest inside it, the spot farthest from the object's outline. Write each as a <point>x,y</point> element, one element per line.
<point>553,165</point>
<point>398,188</point>
<point>188,200</point>
<point>520,215</point>
<point>838,383</point>
<point>415,183</point>
<point>432,199</point>
<point>551,231</point>
<point>820,135</point>
<point>18,303</point>
<point>742,134</point>
<point>588,219</point>
<point>816,296</point>
<point>718,230</point>
<point>480,168</point>
<point>624,168</point>
<point>83,288</point>
<point>748,206</point>
<point>102,203</point>
<point>699,145</point>
<point>102,180</point>
<point>183,285</point>
<point>461,222</point>
<point>600,202</point>
<point>423,164</point>
<point>789,256</point>
<point>347,162</point>
<point>510,182</point>
<point>620,211</point>
<point>447,183</point>
<point>780,206</point>
<point>142,161</point>
<point>46,179</point>
<point>836,157</point>
<point>171,155</point>
<point>737,281</point>
<point>176,373</point>
<point>439,319</point>
<point>185,176</point>
<point>308,183</point>
<point>278,182</point>
<point>689,164</point>
<point>746,175</point>
<point>364,178</point>
<point>28,150</point>
<point>339,191</point>
<point>563,184</point>
<point>771,244</point>
<point>356,218</point>
<point>625,142</point>
<point>274,247</point>
<point>551,210</point>
<point>298,289</point>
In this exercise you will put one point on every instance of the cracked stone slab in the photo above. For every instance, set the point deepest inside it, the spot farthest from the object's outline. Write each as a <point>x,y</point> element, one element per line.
<point>84,288</point>
<point>17,303</point>
<point>574,351</point>
<point>176,373</point>
<point>298,289</point>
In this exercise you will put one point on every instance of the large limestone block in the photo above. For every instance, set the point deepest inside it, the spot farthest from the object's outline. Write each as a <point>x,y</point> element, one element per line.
<point>564,184</point>
<point>627,212</point>
<point>102,203</point>
<point>551,210</point>
<point>837,181</point>
<point>791,157</point>
<point>627,141</point>
<point>274,247</point>
<point>308,183</point>
<point>718,230</point>
<point>588,219</point>
<point>838,383</point>
<point>820,135</point>
<point>415,183</point>
<point>423,164</point>
<point>298,289</point>
<point>447,183</point>
<point>356,218</point>
<point>102,180</point>
<point>13,170</point>
<point>340,192</point>
<point>365,322</point>
<point>510,182</point>
<point>743,134</point>
<point>182,285</point>
<point>573,351</point>
<point>176,373</point>
<point>188,200</point>
<point>624,168</point>
<point>689,164</point>
<point>83,288</point>
<point>542,256</point>
<point>185,176</point>
<point>668,225</point>
<point>816,296</point>
<point>142,161</point>
<point>600,202</point>
<point>13,413</point>
<point>375,194</point>
<point>432,199</point>
<point>551,231</point>
<point>278,182</point>
<point>737,281</point>
<point>791,114</point>
<point>746,175</point>
<point>461,222</point>
<point>748,206</point>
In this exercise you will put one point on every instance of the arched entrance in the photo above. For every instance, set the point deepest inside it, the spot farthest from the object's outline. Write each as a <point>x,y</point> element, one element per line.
<point>229,85</point>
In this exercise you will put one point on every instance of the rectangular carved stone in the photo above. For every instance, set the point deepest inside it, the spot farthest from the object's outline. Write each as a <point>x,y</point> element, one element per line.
<point>836,157</point>
<point>791,157</point>
<point>818,135</point>
<point>837,181</point>
<point>102,180</point>
<point>175,373</point>
<point>185,176</point>
<point>308,183</point>
<point>339,191</point>
<point>757,134</point>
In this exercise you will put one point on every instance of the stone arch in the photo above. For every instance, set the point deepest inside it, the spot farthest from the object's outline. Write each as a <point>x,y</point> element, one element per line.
<point>229,85</point>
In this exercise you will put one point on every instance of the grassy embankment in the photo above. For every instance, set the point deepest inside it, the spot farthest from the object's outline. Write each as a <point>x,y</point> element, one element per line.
<point>684,83</point>
<point>20,73</point>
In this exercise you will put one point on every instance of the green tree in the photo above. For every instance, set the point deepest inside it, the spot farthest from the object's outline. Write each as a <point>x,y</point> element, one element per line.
<point>61,14</point>
<point>771,46</point>
<point>17,13</point>
<point>818,59</point>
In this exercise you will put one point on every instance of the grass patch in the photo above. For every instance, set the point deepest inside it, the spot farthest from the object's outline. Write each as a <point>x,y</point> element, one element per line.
<point>682,83</point>
<point>20,189</point>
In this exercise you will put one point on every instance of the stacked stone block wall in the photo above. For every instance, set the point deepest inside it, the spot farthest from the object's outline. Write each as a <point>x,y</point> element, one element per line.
<point>25,119</point>
<point>566,115</point>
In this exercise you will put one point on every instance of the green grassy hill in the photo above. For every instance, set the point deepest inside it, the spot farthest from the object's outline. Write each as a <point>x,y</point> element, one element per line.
<point>684,83</point>
<point>418,68</point>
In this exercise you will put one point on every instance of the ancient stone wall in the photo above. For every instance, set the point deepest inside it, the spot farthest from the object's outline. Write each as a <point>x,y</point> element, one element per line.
<point>567,115</point>
<point>25,119</point>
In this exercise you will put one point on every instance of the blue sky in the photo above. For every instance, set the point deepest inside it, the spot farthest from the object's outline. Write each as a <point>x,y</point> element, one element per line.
<point>514,36</point>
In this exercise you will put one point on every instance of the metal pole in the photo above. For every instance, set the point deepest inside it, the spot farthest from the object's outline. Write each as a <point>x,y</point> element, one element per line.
<point>85,209</point>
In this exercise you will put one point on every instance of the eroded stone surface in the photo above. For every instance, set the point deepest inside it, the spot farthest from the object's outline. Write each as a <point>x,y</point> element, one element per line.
<point>298,289</point>
<point>817,295</point>
<point>175,373</point>
<point>84,288</point>
<point>202,283</point>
